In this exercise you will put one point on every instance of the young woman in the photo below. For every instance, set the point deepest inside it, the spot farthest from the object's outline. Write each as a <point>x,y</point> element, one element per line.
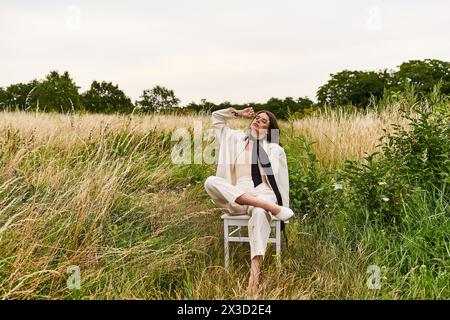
<point>251,178</point>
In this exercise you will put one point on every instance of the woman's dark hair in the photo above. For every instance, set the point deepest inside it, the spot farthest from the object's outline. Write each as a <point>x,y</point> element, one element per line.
<point>273,124</point>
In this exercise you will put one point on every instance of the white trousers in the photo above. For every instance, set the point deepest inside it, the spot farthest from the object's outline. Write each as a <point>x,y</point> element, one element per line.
<point>224,194</point>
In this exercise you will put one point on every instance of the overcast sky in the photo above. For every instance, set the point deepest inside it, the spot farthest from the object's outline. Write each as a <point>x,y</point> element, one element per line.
<point>237,51</point>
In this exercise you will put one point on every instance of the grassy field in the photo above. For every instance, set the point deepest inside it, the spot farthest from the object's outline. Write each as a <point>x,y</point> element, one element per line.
<point>100,192</point>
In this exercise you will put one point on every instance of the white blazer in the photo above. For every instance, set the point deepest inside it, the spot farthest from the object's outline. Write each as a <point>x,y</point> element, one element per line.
<point>232,143</point>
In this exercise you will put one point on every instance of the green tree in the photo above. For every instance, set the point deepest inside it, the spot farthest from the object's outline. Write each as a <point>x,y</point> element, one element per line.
<point>298,105</point>
<point>56,93</point>
<point>289,104</point>
<point>205,105</point>
<point>424,75</point>
<point>279,107</point>
<point>276,106</point>
<point>193,107</point>
<point>157,99</point>
<point>304,107</point>
<point>3,98</point>
<point>18,95</point>
<point>304,102</point>
<point>105,97</point>
<point>354,87</point>
<point>282,108</point>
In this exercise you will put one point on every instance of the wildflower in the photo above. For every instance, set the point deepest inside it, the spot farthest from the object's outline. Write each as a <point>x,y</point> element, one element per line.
<point>385,199</point>
<point>337,186</point>
<point>382,183</point>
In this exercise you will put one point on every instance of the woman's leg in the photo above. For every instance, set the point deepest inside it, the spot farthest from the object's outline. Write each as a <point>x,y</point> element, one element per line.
<point>223,194</point>
<point>259,233</point>
<point>226,195</point>
<point>248,199</point>
<point>253,280</point>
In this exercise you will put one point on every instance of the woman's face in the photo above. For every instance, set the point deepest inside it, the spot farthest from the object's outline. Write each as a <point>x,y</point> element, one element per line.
<point>260,123</point>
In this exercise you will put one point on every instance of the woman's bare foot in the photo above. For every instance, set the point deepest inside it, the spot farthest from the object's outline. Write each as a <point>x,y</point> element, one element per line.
<point>282,213</point>
<point>253,281</point>
<point>253,289</point>
<point>275,209</point>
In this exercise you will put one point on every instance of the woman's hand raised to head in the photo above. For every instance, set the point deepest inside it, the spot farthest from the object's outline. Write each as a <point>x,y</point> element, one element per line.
<point>246,113</point>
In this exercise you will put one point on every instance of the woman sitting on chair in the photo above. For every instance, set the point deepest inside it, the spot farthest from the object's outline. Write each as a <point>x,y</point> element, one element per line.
<point>251,178</point>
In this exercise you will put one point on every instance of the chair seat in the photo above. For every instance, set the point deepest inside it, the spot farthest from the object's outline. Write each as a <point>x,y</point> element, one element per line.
<point>236,217</point>
<point>244,217</point>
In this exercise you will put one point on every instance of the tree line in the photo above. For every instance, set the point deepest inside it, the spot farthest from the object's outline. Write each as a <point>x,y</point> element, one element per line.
<point>358,87</point>
<point>59,93</point>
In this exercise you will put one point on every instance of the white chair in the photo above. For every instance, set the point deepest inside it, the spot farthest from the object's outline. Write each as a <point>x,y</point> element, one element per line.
<point>240,221</point>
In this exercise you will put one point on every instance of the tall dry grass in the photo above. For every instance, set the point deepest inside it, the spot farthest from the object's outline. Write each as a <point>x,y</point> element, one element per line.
<point>100,192</point>
<point>338,135</point>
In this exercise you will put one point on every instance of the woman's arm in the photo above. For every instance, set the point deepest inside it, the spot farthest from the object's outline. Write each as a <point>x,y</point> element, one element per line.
<point>220,117</point>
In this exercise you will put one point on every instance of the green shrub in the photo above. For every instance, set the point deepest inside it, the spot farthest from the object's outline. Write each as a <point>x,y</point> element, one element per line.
<point>310,188</point>
<point>413,159</point>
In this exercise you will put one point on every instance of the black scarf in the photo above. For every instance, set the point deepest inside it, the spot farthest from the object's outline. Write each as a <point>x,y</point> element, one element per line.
<point>259,154</point>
